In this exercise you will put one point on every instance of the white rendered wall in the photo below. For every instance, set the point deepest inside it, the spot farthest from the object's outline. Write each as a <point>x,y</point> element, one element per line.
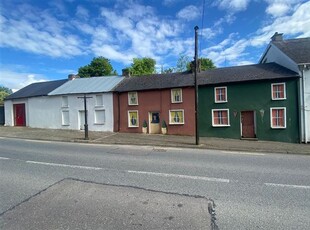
<point>76,104</point>
<point>9,111</point>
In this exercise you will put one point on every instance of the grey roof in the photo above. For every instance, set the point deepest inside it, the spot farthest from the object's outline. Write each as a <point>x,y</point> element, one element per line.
<point>36,89</point>
<point>214,76</point>
<point>156,81</point>
<point>88,85</point>
<point>245,73</point>
<point>297,49</point>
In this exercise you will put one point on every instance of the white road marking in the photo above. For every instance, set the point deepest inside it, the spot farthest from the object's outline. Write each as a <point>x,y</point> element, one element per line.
<point>287,185</point>
<point>244,153</point>
<point>64,165</point>
<point>4,158</point>
<point>181,176</point>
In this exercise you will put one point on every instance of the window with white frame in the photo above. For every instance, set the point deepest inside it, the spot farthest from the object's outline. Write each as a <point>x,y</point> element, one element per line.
<point>220,94</point>
<point>278,118</point>
<point>133,98</point>
<point>133,118</point>
<point>65,117</point>
<point>278,91</point>
<point>64,101</point>
<point>220,117</point>
<point>176,95</point>
<point>176,117</point>
<point>99,117</point>
<point>99,100</point>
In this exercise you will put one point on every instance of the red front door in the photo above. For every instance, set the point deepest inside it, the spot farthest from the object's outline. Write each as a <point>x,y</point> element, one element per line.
<point>19,115</point>
<point>247,124</point>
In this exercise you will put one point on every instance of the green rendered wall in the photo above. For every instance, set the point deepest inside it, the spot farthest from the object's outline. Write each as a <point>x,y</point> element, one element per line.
<point>250,96</point>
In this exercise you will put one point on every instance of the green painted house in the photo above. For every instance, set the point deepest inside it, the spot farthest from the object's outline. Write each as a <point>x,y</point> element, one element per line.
<point>251,102</point>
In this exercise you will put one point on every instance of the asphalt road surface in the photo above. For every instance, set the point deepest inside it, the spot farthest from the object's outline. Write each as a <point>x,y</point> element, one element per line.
<point>250,190</point>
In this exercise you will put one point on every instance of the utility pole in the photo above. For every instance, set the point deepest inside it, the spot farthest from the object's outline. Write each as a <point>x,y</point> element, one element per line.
<point>85,113</point>
<point>196,85</point>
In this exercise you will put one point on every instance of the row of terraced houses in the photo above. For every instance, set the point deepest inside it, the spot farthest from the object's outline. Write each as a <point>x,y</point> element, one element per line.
<point>265,101</point>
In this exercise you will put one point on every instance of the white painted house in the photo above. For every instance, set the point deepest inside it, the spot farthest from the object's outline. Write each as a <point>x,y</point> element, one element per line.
<point>69,103</point>
<point>294,54</point>
<point>31,106</point>
<point>59,104</point>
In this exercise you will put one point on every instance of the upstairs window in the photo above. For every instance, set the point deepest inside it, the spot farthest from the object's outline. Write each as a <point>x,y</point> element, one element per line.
<point>99,100</point>
<point>220,94</point>
<point>220,117</point>
<point>278,118</point>
<point>132,98</point>
<point>64,101</point>
<point>278,91</point>
<point>176,95</point>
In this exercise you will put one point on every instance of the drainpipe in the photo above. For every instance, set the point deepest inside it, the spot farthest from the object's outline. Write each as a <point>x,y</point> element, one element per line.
<point>302,69</point>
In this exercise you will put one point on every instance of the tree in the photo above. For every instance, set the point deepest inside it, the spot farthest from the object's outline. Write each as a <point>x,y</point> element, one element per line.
<point>142,66</point>
<point>206,63</point>
<point>182,63</point>
<point>99,66</point>
<point>4,92</point>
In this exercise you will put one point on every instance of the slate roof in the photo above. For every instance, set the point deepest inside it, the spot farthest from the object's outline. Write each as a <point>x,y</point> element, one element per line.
<point>297,49</point>
<point>88,85</point>
<point>245,73</point>
<point>215,76</point>
<point>36,89</point>
<point>156,81</point>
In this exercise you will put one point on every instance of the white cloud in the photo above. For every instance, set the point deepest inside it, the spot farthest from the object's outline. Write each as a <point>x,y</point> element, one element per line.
<point>82,13</point>
<point>189,13</point>
<point>232,5</point>
<point>17,80</point>
<point>38,33</point>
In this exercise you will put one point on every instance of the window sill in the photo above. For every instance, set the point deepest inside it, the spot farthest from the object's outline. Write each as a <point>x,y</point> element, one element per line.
<point>219,126</point>
<point>176,123</point>
<point>278,99</point>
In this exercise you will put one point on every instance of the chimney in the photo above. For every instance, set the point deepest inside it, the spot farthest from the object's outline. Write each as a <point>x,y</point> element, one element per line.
<point>72,76</point>
<point>277,37</point>
<point>125,72</point>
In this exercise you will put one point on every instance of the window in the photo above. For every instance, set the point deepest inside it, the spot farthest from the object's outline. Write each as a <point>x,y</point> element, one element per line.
<point>132,98</point>
<point>220,117</point>
<point>99,117</point>
<point>99,100</point>
<point>220,94</point>
<point>278,91</point>
<point>176,95</point>
<point>64,101</point>
<point>65,117</point>
<point>176,117</point>
<point>133,119</point>
<point>278,118</point>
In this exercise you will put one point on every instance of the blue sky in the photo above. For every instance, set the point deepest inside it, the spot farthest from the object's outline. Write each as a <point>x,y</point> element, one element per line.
<point>47,40</point>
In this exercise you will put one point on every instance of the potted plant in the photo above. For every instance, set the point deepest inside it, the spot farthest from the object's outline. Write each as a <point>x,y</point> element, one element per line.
<point>163,127</point>
<point>144,127</point>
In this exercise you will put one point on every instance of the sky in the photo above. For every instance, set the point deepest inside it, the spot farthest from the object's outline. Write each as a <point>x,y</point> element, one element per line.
<point>47,40</point>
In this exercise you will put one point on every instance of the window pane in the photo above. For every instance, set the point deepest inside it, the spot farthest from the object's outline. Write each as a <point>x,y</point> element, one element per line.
<point>176,117</point>
<point>99,117</point>
<point>64,102</point>
<point>132,98</point>
<point>133,119</point>
<point>65,117</point>
<point>99,100</point>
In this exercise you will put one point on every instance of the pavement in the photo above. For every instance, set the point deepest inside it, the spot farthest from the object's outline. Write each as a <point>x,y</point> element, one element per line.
<point>74,204</point>
<point>154,140</point>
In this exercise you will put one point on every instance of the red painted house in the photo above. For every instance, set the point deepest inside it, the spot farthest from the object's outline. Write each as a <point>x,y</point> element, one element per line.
<point>154,99</point>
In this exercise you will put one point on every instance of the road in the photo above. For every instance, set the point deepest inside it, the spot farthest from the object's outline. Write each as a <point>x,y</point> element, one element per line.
<point>250,190</point>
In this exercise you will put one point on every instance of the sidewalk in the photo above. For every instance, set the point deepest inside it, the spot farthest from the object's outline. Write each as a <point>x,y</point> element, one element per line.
<point>154,140</point>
